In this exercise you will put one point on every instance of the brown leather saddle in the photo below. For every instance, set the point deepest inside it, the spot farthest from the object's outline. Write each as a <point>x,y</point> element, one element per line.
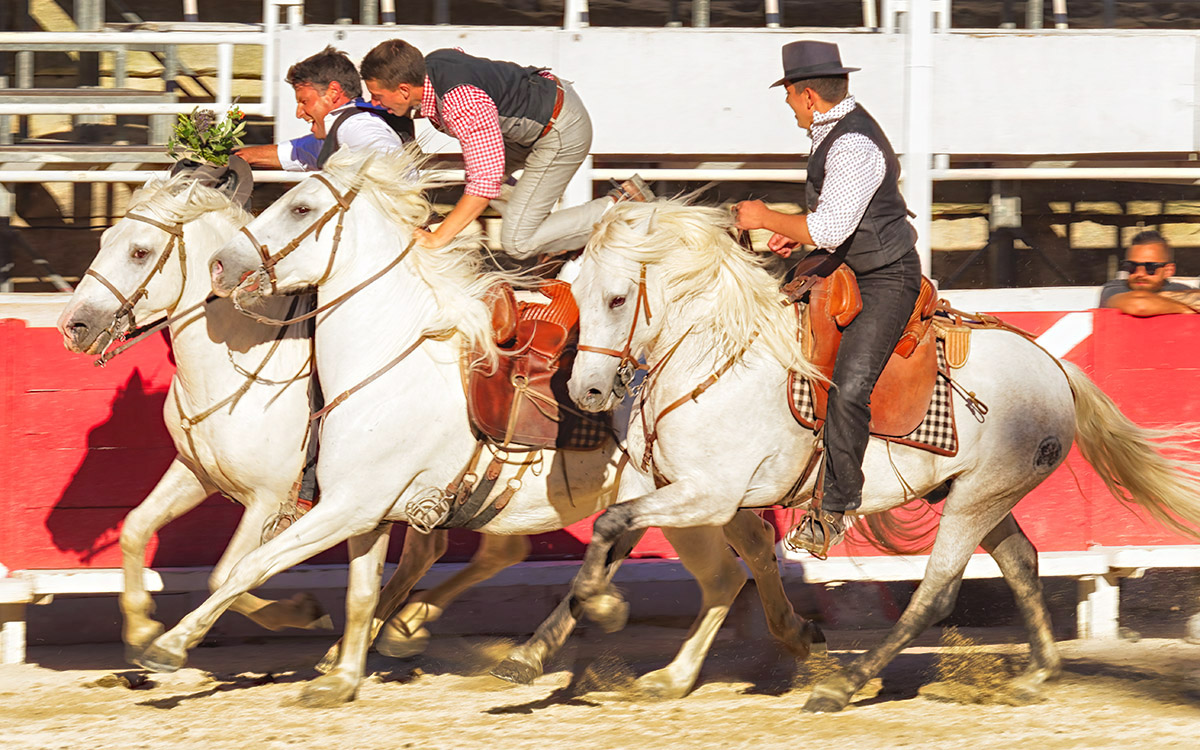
<point>523,402</point>
<point>904,390</point>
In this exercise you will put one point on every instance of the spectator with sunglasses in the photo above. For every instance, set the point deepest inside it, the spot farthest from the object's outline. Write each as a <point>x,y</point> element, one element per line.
<point>1149,290</point>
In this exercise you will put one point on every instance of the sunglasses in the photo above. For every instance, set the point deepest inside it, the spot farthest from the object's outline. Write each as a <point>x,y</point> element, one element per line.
<point>1129,266</point>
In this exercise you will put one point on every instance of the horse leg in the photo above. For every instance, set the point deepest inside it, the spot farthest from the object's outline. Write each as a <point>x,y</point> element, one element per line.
<point>959,533</point>
<point>682,504</point>
<point>327,524</point>
<point>367,554</point>
<point>300,611</point>
<point>754,540</point>
<point>1017,558</point>
<point>703,551</point>
<point>405,635</point>
<point>419,553</point>
<point>176,493</point>
<point>527,662</point>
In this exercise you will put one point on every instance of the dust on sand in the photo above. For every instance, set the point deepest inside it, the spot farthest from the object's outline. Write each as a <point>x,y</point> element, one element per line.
<point>1117,694</point>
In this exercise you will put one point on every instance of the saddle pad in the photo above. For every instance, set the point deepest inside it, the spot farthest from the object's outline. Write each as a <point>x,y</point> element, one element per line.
<point>937,433</point>
<point>583,433</point>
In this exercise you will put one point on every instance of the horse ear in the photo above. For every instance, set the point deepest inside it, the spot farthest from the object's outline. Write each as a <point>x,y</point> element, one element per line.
<point>649,224</point>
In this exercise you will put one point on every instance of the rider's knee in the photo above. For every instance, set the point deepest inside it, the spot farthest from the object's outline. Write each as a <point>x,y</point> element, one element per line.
<point>517,241</point>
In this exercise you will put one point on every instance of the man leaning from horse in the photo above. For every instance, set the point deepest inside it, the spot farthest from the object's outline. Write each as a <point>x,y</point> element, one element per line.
<point>329,97</point>
<point>855,211</point>
<point>506,117</point>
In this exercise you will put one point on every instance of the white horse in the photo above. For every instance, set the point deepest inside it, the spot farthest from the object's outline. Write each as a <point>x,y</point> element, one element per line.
<point>391,448</point>
<point>233,378</point>
<point>736,444</point>
<point>252,445</point>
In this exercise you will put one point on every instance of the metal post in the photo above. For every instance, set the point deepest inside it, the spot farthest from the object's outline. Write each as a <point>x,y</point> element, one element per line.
<point>1035,11</point>
<point>1006,15</point>
<point>870,15</point>
<point>575,14</point>
<point>271,51</point>
<point>368,12</point>
<point>224,77</point>
<point>1110,14</point>
<point>1060,13</point>
<point>1004,221</point>
<point>918,183</point>
<point>6,136</point>
<point>190,12</point>
<point>295,15</point>
<point>387,12</point>
<point>441,12</point>
<point>700,14</point>
<point>774,18</point>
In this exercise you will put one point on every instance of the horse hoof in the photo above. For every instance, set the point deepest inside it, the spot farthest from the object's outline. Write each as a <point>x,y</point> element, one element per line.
<point>609,611</point>
<point>660,686</point>
<point>312,613</point>
<point>136,645</point>
<point>829,696</point>
<point>325,666</point>
<point>515,671</point>
<point>817,646</point>
<point>393,644</point>
<point>327,692</point>
<point>157,658</point>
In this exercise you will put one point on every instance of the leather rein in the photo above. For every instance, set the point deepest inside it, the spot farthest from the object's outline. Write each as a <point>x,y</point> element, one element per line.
<point>650,430</point>
<point>125,311</point>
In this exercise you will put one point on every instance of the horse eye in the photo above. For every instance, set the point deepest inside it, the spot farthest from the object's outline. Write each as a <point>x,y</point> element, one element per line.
<point>616,302</point>
<point>139,253</point>
<point>301,209</point>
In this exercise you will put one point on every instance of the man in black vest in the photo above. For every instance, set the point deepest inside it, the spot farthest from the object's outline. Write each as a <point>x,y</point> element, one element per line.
<point>855,211</point>
<point>329,97</point>
<point>506,117</point>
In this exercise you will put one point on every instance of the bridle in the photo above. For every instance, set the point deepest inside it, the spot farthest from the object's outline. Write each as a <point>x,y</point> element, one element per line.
<point>339,209</point>
<point>628,365</point>
<point>128,303</point>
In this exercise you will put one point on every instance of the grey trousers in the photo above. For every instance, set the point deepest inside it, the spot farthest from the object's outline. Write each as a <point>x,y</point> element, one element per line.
<point>529,228</point>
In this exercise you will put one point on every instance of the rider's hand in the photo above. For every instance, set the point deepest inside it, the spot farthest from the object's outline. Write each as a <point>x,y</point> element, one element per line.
<point>751,214</point>
<point>782,246</point>
<point>431,240</point>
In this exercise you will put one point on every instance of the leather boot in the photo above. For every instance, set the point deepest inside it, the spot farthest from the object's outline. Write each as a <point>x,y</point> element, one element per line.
<point>817,532</point>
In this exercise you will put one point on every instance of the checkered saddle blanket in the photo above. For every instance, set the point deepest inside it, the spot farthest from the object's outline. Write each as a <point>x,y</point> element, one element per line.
<point>936,433</point>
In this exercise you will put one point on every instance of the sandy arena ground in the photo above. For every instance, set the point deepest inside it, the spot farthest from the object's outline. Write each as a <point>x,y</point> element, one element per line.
<point>1143,694</point>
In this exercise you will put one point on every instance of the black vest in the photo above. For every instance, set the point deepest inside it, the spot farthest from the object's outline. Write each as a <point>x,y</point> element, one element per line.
<point>884,234</point>
<point>402,125</point>
<point>524,99</point>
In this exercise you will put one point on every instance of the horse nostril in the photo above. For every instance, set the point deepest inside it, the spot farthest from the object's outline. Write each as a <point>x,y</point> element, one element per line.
<point>215,268</point>
<point>594,393</point>
<point>78,328</point>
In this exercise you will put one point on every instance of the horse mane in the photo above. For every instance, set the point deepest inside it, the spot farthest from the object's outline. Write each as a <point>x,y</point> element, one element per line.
<point>694,250</point>
<point>395,184</point>
<point>181,199</point>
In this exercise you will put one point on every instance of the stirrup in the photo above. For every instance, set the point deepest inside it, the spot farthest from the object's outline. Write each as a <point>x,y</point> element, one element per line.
<point>816,533</point>
<point>633,189</point>
<point>289,512</point>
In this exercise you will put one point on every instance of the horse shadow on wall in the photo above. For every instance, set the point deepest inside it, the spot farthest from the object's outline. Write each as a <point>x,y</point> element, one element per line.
<point>126,455</point>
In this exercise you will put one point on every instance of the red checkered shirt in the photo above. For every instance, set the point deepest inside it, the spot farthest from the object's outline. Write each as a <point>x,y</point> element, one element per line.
<point>469,114</point>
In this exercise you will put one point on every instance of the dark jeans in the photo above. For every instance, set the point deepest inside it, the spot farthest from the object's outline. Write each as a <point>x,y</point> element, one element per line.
<point>888,296</point>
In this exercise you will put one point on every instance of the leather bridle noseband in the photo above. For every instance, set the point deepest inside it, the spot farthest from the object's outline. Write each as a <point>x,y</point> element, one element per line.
<point>339,209</point>
<point>128,303</point>
<point>628,363</point>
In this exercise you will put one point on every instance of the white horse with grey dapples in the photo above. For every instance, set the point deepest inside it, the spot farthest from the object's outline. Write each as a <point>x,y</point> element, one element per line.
<point>736,444</point>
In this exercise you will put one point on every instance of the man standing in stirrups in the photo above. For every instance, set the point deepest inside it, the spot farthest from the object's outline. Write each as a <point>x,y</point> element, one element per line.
<point>855,211</point>
<point>506,117</point>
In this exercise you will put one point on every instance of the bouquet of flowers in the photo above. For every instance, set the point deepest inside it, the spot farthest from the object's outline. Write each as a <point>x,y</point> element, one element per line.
<point>203,137</point>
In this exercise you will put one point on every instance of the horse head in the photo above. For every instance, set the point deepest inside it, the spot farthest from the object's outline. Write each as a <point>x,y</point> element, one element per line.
<point>141,268</point>
<point>615,319</point>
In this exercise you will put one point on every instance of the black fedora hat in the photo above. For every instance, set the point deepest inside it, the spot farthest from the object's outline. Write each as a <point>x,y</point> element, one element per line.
<point>811,60</point>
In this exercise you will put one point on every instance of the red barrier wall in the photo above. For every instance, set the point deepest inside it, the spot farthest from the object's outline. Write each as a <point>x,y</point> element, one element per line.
<point>82,445</point>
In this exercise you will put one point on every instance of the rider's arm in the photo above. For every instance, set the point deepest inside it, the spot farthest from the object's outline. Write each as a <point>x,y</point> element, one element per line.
<point>1145,304</point>
<point>470,115</point>
<point>266,155</point>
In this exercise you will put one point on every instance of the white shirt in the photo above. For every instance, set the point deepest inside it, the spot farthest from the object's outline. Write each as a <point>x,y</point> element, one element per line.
<point>365,130</point>
<point>854,169</point>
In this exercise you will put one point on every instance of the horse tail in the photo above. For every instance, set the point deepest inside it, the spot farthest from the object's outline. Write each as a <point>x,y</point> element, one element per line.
<point>1133,467</point>
<point>899,531</point>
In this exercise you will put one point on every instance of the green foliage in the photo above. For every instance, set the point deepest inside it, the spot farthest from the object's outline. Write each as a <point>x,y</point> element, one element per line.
<point>204,137</point>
